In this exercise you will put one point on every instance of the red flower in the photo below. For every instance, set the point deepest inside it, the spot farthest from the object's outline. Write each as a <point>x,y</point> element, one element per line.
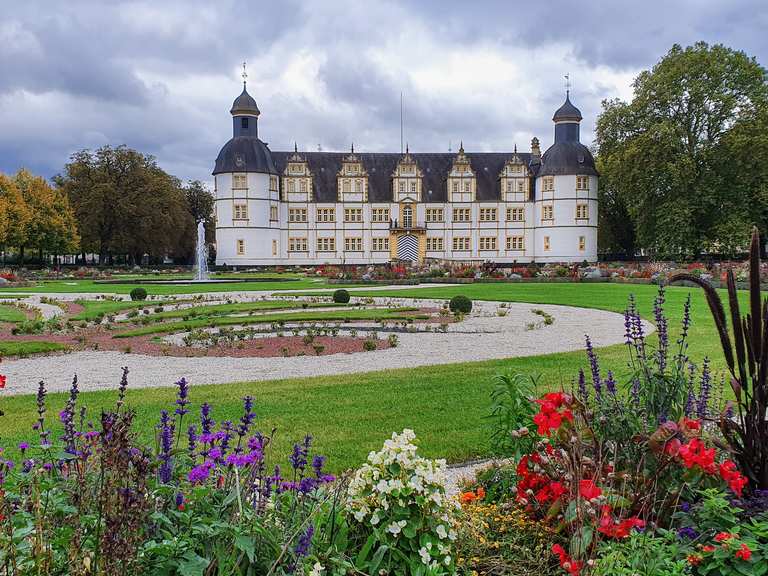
<point>549,418</point>
<point>708,548</point>
<point>723,536</point>
<point>672,448</point>
<point>736,481</point>
<point>744,552</point>
<point>692,425</point>
<point>694,559</point>
<point>181,507</point>
<point>588,490</point>
<point>608,526</point>
<point>567,563</point>
<point>2,381</point>
<point>694,453</point>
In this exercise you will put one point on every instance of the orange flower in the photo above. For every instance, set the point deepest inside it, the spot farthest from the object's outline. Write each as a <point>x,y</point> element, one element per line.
<point>467,497</point>
<point>480,493</point>
<point>708,548</point>
<point>694,559</point>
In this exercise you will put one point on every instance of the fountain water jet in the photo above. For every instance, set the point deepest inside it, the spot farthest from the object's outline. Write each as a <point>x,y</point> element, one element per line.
<point>201,255</point>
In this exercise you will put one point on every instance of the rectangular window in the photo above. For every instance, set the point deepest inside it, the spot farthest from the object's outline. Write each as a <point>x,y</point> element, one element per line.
<point>326,244</point>
<point>488,243</point>
<point>353,244</point>
<point>461,243</point>
<point>240,212</point>
<point>297,214</point>
<point>380,244</point>
<point>462,214</point>
<point>273,183</point>
<point>467,186</point>
<point>515,214</point>
<point>297,244</point>
<point>326,215</point>
<point>244,123</point>
<point>240,247</point>
<point>303,186</point>
<point>380,215</point>
<point>455,187</point>
<point>546,243</point>
<point>582,182</point>
<point>413,187</point>
<point>434,244</point>
<point>548,183</point>
<point>273,213</point>
<point>582,243</point>
<point>509,186</point>
<point>353,214</point>
<point>401,187</point>
<point>239,181</point>
<point>582,211</point>
<point>291,185</point>
<point>346,185</point>
<point>547,212</point>
<point>358,186</point>
<point>521,185</point>
<point>488,215</point>
<point>515,243</point>
<point>435,215</point>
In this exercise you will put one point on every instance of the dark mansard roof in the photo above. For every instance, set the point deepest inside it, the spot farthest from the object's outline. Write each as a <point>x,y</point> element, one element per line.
<point>380,166</point>
<point>567,158</point>
<point>245,154</point>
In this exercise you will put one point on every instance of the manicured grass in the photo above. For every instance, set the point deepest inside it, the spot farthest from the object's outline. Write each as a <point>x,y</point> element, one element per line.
<point>94,309</point>
<point>238,307</point>
<point>394,314</point>
<point>27,347</point>
<point>352,414</point>
<point>10,313</point>
<point>89,286</point>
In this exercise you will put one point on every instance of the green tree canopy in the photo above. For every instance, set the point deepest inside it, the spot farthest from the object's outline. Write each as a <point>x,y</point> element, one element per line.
<point>125,204</point>
<point>672,158</point>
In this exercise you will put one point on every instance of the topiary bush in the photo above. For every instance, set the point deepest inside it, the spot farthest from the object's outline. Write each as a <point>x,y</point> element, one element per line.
<point>341,296</point>
<point>138,294</point>
<point>460,304</point>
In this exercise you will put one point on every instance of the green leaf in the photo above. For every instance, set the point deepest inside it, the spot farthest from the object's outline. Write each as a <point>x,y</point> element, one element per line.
<point>377,558</point>
<point>363,555</point>
<point>192,565</point>
<point>245,543</point>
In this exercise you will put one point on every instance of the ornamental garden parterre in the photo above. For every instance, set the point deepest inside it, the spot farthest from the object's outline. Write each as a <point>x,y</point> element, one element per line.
<point>662,472</point>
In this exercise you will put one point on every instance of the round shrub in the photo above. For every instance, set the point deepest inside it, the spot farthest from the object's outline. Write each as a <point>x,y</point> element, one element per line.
<point>341,296</point>
<point>138,294</point>
<point>460,304</point>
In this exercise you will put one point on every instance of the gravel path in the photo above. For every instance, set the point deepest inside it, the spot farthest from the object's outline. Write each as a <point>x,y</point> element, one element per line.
<point>483,335</point>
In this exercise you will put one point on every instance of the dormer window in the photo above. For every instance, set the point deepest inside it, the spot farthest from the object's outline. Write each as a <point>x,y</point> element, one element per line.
<point>297,179</point>
<point>352,180</point>
<point>406,179</point>
<point>461,179</point>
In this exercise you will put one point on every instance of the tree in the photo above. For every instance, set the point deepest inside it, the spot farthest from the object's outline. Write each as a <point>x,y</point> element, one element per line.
<point>200,203</point>
<point>664,154</point>
<point>126,204</point>
<point>17,214</point>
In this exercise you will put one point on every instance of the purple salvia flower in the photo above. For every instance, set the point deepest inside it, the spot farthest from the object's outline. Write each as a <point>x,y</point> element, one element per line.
<point>166,446</point>
<point>661,327</point>
<point>247,418</point>
<point>635,391</point>
<point>40,424</point>
<point>200,474</point>
<point>67,417</point>
<point>227,430</point>
<point>191,439</point>
<point>686,319</point>
<point>182,397</point>
<point>317,465</point>
<point>610,384</point>
<point>207,423</point>
<point>705,388</point>
<point>594,368</point>
<point>583,393</point>
<point>179,501</point>
<point>122,388</point>
<point>302,547</point>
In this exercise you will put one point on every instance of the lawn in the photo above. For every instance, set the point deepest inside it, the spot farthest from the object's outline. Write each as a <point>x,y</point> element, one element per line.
<point>25,348</point>
<point>90,286</point>
<point>393,314</point>
<point>9,313</point>
<point>237,308</point>
<point>351,414</point>
<point>94,309</point>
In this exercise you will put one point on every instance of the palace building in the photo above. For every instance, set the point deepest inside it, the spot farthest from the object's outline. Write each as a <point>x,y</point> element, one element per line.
<point>286,208</point>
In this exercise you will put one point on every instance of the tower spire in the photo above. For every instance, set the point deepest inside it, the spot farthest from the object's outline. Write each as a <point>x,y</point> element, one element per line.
<point>567,84</point>
<point>244,74</point>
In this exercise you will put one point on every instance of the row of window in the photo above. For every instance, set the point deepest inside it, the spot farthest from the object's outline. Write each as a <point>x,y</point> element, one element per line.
<point>240,212</point>
<point>240,182</point>
<point>355,244</point>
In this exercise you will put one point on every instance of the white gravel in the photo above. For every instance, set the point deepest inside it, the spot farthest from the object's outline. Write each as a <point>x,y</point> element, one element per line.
<point>483,335</point>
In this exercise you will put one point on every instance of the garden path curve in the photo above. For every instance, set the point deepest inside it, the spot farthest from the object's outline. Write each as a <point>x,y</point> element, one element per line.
<point>483,335</point>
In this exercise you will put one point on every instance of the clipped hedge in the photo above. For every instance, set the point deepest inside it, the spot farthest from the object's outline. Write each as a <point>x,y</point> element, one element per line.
<point>341,296</point>
<point>138,294</point>
<point>460,304</point>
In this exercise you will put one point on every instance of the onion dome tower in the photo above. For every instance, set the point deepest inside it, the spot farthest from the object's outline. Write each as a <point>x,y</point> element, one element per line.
<point>245,152</point>
<point>567,155</point>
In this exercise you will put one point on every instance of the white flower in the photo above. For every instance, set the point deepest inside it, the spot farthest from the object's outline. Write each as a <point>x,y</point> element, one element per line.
<point>375,518</point>
<point>359,515</point>
<point>425,557</point>
<point>397,527</point>
<point>447,560</point>
<point>317,569</point>
<point>441,531</point>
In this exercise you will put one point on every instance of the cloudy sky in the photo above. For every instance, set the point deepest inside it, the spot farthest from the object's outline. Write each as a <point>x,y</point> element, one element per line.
<point>161,76</point>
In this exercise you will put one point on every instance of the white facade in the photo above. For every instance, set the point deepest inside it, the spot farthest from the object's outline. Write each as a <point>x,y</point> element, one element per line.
<point>546,212</point>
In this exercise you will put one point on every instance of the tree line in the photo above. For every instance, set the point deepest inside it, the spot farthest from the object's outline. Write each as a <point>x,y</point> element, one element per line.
<point>684,164</point>
<point>115,202</point>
